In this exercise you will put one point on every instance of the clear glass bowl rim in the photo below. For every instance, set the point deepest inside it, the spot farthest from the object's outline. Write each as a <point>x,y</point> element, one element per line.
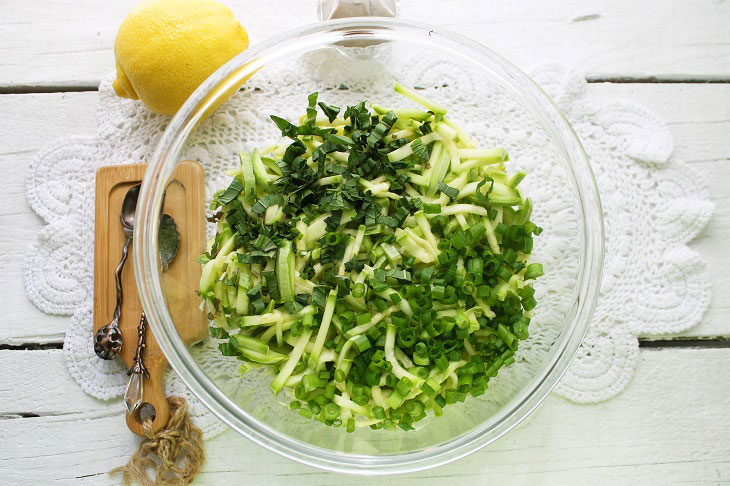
<point>298,41</point>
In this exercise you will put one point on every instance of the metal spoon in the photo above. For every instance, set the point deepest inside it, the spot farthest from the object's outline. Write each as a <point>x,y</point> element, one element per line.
<point>108,339</point>
<point>168,240</point>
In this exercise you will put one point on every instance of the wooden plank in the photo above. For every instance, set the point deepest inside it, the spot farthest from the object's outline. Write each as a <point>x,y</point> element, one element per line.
<point>73,40</point>
<point>29,123</point>
<point>699,117</point>
<point>653,433</point>
<point>51,391</point>
<point>55,44</point>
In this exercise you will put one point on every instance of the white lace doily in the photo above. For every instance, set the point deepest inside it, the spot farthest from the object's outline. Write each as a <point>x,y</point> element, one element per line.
<point>653,283</point>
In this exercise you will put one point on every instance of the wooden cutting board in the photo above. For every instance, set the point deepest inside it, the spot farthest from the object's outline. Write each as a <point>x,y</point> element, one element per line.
<point>184,201</point>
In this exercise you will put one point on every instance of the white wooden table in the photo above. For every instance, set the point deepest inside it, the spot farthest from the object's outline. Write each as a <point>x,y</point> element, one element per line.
<point>669,426</point>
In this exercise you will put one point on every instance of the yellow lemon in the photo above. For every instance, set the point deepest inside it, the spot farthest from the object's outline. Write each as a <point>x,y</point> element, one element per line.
<point>166,48</point>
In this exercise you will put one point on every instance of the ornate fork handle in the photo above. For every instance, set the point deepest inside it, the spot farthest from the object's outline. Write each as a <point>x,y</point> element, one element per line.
<point>138,366</point>
<point>138,371</point>
<point>118,278</point>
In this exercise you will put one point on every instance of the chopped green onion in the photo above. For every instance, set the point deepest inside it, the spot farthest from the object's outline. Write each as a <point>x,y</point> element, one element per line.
<point>310,382</point>
<point>533,271</point>
<point>331,411</point>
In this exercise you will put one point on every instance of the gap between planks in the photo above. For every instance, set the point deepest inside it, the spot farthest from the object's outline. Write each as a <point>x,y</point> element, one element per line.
<point>680,342</point>
<point>33,89</point>
<point>658,79</point>
<point>709,342</point>
<point>41,89</point>
<point>31,346</point>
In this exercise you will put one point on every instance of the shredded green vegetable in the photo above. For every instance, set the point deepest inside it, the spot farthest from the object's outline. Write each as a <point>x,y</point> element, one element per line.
<point>378,264</point>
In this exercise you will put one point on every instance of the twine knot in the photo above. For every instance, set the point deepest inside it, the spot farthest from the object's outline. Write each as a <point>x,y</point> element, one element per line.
<point>173,454</point>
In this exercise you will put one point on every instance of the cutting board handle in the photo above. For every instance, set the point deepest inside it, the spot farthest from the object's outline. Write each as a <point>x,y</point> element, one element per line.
<point>153,396</point>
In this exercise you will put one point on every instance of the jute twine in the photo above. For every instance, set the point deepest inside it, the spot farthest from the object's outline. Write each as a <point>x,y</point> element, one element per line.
<point>174,454</point>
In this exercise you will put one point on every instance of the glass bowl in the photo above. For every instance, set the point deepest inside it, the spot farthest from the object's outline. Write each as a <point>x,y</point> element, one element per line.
<point>498,105</point>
